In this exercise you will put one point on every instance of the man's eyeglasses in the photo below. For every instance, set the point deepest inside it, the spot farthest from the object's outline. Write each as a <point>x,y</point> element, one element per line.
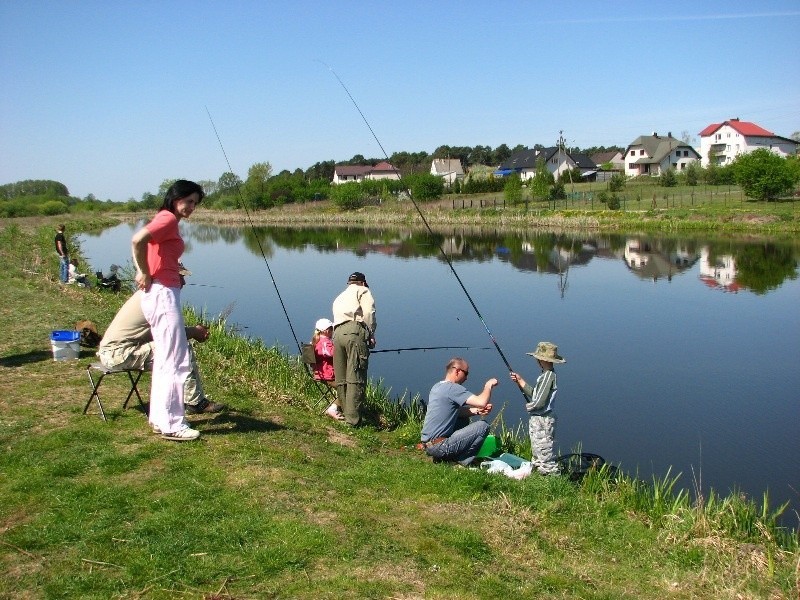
<point>464,371</point>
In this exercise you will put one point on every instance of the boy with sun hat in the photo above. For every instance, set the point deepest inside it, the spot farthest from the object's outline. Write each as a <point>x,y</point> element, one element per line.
<point>542,422</point>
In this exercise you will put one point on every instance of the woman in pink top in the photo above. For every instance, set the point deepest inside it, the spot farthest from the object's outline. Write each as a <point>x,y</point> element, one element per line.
<point>157,249</point>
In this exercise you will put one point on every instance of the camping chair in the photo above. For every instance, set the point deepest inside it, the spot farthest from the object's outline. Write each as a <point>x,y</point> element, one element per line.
<point>103,371</point>
<point>309,359</point>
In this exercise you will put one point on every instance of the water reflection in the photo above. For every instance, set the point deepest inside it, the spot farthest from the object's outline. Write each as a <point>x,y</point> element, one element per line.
<point>726,265</point>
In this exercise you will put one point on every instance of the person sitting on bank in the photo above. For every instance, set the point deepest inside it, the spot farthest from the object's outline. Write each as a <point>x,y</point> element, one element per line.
<point>323,368</point>
<point>447,433</point>
<point>542,421</point>
<point>74,276</point>
<point>128,344</point>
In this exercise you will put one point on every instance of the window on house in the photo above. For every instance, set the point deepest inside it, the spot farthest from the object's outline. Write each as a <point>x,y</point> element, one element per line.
<point>631,166</point>
<point>641,152</point>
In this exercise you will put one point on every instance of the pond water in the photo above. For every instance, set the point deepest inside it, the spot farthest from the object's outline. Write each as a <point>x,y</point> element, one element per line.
<point>681,353</point>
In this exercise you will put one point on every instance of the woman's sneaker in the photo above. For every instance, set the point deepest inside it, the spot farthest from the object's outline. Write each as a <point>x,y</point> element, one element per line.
<point>184,434</point>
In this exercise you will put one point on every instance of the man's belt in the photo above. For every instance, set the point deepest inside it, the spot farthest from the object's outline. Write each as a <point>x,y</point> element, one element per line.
<point>433,442</point>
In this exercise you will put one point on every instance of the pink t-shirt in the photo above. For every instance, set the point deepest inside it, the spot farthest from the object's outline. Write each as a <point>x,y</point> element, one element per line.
<point>164,249</point>
<point>323,370</point>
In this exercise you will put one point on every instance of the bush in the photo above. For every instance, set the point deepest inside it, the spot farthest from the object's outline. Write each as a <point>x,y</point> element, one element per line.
<point>347,196</point>
<point>513,189</point>
<point>764,175</point>
<point>617,182</point>
<point>612,201</point>
<point>668,178</point>
<point>557,192</point>
<point>425,186</point>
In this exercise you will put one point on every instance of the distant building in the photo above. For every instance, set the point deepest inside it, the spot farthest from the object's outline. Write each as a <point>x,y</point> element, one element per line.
<point>557,161</point>
<point>613,157</point>
<point>346,173</point>
<point>656,154</point>
<point>449,169</point>
<point>729,139</point>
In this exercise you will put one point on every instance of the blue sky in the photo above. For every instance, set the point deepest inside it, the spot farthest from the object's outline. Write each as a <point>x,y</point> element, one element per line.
<point>110,98</point>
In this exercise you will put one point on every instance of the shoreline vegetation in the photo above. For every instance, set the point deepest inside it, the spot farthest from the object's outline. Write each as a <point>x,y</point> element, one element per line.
<point>737,217</point>
<point>277,500</point>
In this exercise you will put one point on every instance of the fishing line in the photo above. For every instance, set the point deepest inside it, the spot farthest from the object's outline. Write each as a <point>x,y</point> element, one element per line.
<point>425,221</point>
<point>255,233</point>
<point>431,348</point>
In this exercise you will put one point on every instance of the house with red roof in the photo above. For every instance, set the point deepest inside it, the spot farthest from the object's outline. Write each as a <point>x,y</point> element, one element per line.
<point>345,173</point>
<point>727,140</point>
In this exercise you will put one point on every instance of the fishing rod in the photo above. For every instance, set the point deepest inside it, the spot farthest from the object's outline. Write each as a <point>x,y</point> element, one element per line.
<point>431,348</point>
<point>425,221</point>
<point>255,234</point>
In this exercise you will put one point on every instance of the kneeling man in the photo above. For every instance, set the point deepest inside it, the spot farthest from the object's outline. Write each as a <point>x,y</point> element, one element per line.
<point>447,433</point>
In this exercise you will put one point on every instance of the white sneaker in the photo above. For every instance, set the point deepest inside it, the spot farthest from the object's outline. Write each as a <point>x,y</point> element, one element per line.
<point>184,434</point>
<point>333,412</point>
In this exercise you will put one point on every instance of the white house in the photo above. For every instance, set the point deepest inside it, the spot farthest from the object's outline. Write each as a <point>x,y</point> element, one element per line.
<point>345,173</point>
<point>656,154</point>
<point>524,162</point>
<point>449,169</point>
<point>729,139</point>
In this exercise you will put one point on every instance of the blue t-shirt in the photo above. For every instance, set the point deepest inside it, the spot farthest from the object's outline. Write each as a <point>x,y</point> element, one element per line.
<point>444,401</point>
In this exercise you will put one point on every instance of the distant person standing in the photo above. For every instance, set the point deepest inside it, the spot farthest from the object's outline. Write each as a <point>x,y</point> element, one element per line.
<point>354,324</point>
<point>63,253</point>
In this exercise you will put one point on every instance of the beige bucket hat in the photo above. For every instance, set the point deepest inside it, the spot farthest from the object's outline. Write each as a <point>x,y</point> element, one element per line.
<point>547,351</point>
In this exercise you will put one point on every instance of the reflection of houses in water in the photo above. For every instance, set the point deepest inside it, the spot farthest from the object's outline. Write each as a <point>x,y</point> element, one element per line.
<point>454,245</point>
<point>719,272</point>
<point>559,258</point>
<point>649,261</point>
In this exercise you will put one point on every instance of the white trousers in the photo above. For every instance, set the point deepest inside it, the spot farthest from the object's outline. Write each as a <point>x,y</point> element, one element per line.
<point>161,306</point>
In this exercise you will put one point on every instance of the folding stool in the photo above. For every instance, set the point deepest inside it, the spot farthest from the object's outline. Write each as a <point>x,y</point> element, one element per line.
<point>308,359</point>
<point>103,371</point>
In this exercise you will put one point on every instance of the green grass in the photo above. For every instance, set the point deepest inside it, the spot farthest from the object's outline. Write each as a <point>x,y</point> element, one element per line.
<point>278,501</point>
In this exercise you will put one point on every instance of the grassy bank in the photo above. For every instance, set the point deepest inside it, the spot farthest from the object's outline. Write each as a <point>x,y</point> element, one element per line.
<point>645,207</point>
<point>277,501</point>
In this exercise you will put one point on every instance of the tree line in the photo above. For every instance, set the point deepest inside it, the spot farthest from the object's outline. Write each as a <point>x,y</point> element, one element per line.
<point>762,175</point>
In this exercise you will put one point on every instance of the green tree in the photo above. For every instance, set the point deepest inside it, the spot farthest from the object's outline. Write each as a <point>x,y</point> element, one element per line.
<point>764,175</point>
<point>617,182</point>
<point>255,187</point>
<point>692,173</point>
<point>542,180</point>
<point>557,192</point>
<point>162,189</point>
<point>347,196</point>
<point>668,178</point>
<point>500,154</point>
<point>425,186</point>
<point>228,183</point>
<point>512,191</point>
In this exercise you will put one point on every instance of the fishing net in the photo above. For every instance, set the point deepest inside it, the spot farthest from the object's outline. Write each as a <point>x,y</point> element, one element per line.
<point>577,465</point>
